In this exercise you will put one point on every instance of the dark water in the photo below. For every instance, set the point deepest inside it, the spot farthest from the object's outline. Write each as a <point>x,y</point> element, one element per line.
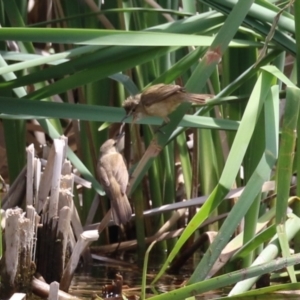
<point>100,274</point>
<point>84,285</point>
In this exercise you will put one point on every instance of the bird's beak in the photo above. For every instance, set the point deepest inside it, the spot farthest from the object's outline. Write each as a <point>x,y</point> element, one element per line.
<point>120,141</point>
<point>119,136</point>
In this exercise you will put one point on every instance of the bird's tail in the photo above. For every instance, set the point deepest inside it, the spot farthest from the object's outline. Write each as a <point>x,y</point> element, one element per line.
<point>198,98</point>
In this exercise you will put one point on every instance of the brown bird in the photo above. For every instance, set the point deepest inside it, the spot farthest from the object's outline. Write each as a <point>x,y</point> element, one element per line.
<point>113,175</point>
<point>160,100</point>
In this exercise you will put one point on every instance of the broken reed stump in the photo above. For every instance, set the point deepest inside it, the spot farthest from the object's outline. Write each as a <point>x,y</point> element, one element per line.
<point>53,248</point>
<point>18,296</point>
<point>86,238</point>
<point>53,237</point>
<point>18,269</point>
<point>49,201</point>
<point>43,290</point>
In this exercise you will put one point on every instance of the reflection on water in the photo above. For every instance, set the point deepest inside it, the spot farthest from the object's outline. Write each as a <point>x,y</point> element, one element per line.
<point>84,285</point>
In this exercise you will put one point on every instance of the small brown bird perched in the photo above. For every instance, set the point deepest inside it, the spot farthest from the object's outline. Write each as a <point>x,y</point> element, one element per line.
<point>113,175</point>
<point>160,100</point>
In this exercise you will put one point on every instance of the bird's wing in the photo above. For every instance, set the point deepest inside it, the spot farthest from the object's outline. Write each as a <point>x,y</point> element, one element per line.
<point>115,167</point>
<point>159,92</point>
<point>121,173</point>
<point>102,175</point>
<point>113,175</point>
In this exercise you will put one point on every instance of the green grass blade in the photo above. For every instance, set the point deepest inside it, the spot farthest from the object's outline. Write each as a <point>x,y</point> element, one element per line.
<point>260,175</point>
<point>254,243</point>
<point>285,167</point>
<point>185,163</point>
<point>111,37</point>
<point>268,254</point>
<point>266,292</point>
<point>196,83</point>
<point>24,109</point>
<point>296,207</point>
<point>145,268</point>
<point>227,279</point>
<point>233,163</point>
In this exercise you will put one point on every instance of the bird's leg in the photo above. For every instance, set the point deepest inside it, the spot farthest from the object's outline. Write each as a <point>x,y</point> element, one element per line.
<point>165,122</point>
<point>159,128</point>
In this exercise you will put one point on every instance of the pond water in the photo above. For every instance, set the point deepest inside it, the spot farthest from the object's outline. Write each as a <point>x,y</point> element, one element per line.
<point>100,274</point>
<point>84,284</point>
